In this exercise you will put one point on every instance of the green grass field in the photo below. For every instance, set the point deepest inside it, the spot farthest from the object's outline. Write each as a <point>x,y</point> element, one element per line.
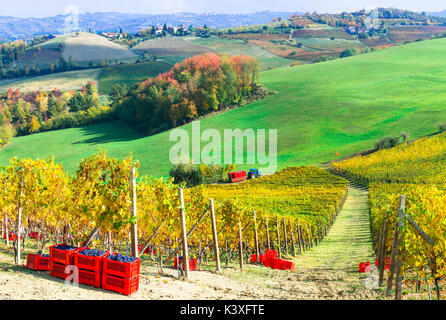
<point>129,74</point>
<point>343,106</point>
<point>267,59</point>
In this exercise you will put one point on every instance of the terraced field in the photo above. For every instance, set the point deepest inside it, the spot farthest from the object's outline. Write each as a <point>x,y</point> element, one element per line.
<point>267,59</point>
<point>171,49</point>
<point>402,34</point>
<point>322,33</point>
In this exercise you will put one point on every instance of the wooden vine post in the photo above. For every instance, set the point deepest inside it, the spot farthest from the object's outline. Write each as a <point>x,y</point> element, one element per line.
<point>300,239</point>
<point>256,238</point>
<point>278,238</point>
<point>214,235</point>
<point>6,230</point>
<point>4,226</point>
<point>19,218</point>
<point>285,236</point>
<point>395,262</point>
<point>133,226</point>
<point>267,234</point>
<point>184,235</point>
<point>240,244</point>
<point>382,253</point>
<point>293,241</point>
<point>6,223</point>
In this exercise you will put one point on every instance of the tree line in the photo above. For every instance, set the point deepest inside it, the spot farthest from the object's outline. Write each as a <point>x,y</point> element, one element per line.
<point>38,111</point>
<point>191,89</point>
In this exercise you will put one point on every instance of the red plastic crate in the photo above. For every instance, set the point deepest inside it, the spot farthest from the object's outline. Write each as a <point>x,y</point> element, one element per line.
<point>254,258</point>
<point>38,262</point>
<point>35,235</point>
<point>121,269</point>
<point>192,264</point>
<point>126,286</point>
<point>271,252</point>
<point>367,266</point>
<point>277,264</point>
<point>63,256</point>
<point>287,265</point>
<point>43,264</point>
<point>58,270</point>
<point>92,278</point>
<point>364,267</point>
<point>31,261</point>
<point>268,261</point>
<point>12,237</point>
<point>147,250</point>
<point>89,263</point>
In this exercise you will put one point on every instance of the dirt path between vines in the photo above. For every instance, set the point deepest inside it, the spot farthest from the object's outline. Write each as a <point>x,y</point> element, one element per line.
<point>328,271</point>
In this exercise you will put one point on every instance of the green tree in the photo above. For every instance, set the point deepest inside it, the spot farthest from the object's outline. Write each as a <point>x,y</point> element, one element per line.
<point>62,65</point>
<point>349,52</point>
<point>118,92</point>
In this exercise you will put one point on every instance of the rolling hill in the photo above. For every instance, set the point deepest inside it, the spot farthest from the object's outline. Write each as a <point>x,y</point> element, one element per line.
<point>83,48</point>
<point>86,47</point>
<point>342,106</point>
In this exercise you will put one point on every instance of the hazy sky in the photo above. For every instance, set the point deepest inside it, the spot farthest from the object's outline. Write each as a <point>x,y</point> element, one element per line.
<point>44,8</point>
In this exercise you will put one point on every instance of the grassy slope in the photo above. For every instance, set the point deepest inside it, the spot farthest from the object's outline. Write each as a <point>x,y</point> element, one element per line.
<point>343,105</point>
<point>349,241</point>
<point>129,74</point>
<point>87,47</point>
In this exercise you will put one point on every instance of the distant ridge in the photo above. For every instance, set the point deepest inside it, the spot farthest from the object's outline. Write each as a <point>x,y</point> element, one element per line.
<point>439,14</point>
<point>12,28</point>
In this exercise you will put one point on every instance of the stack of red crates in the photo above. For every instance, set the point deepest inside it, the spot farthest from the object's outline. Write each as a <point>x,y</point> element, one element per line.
<point>269,259</point>
<point>89,268</point>
<point>60,259</point>
<point>38,262</point>
<point>192,263</point>
<point>122,277</point>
